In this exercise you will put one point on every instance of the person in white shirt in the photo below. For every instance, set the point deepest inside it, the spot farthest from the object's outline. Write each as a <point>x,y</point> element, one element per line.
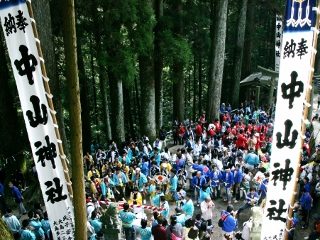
<point>207,207</point>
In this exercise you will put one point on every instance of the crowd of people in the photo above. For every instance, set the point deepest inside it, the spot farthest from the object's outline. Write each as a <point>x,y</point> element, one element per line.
<point>225,160</point>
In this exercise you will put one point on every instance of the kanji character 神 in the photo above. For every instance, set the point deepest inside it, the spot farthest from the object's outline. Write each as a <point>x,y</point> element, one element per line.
<point>282,174</point>
<point>46,152</point>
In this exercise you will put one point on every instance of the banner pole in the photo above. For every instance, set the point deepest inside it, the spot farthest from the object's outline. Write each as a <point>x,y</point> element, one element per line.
<point>49,99</point>
<point>305,121</point>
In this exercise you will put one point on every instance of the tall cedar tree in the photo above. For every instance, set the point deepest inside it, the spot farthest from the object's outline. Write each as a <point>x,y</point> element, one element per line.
<point>144,43</point>
<point>158,62</point>
<point>70,46</point>
<point>219,12</point>
<point>178,65</point>
<point>239,52</point>
<point>42,16</point>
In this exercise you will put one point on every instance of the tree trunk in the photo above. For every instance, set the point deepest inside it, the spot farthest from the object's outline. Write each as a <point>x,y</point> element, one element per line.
<point>247,53</point>
<point>128,112</point>
<point>43,18</point>
<point>117,112</point>
<point>103,77</point>
<point>94,90</point>
<point>239,53</point>
<point>147,120</point>
<point>200,85</point>
<point>217,54</point>
<point>194,105</point>
<point>70,46</point>
<point>104,96</point>
<point>177,68</point>
<point>85,102</point>
<point>158,63</point>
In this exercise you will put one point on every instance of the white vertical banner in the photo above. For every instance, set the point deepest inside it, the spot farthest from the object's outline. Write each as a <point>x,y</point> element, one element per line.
<point>295,72</point>
<point>25,61</point>
<point>278,41</point>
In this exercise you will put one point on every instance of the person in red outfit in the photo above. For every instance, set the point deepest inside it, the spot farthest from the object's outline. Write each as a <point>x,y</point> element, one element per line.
<point>241,140</point>
<point>198,129</point>
<point>159,230</point>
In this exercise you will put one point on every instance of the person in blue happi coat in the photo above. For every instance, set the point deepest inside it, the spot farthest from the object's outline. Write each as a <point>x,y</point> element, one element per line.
<point>238,176</point>
<point>96,224</point>
<point>229,224</point>
<point>227,179</point>
<point>215,177</point>
<point>306,205</point>
<point>188,206</point>
<point>120,180</point>
<point>173,181</point>
<point>127,219</point>
<point>139,180</point>
<point>205,192</point>
<point>197,182</point>
<point>251,200</point>
<point>144,231</point>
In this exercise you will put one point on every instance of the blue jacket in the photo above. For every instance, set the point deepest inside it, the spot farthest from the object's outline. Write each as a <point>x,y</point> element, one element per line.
<point>180,164</point>
<point>215,178</point>
<point>195,181</point>
<point>229,181</point>
<point>252,159</point>
<point>188,208</point>
<point>204,194</point>
<point>238,176</point>
<point>263,188</point>
<point>251,197</point>
<point>127,218</point>
<point>16,194</point>
<point>229,223</point>
<point>96,224</point>
<point>173,183</point>
<point>307,187</point>
<point>145,168</point>
<point>306,201</point>
<point>141,182</point>
<point>116,180</point>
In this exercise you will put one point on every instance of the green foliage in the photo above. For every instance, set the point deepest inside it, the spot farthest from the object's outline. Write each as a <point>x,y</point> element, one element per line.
<point>176,48</point>
<point>142,30</point>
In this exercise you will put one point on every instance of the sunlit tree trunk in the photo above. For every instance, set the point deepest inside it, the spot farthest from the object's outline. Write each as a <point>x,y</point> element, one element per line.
<point>70,46</point>
<point>219,12</point>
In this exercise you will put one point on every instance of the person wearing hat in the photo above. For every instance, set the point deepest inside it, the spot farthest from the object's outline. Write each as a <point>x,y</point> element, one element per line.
<point>106,191</point>
<point>139,180</point>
